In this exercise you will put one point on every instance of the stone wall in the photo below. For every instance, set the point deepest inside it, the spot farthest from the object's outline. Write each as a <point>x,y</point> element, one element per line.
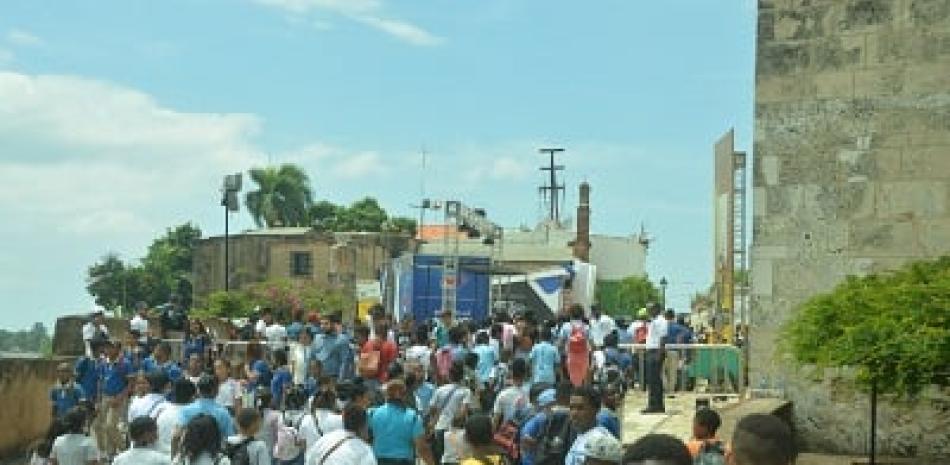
<point>24,405</point>
<point>851,169</point>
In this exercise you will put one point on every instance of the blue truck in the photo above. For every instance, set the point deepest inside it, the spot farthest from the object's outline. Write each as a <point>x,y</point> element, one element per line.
<point>418,287</point>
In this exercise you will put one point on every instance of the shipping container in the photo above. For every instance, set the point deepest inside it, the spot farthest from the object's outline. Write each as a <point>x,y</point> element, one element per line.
<point>419,287</point>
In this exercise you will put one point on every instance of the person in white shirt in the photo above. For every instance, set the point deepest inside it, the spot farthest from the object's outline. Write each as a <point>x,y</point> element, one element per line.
<point>448,401</point>
<point>321,420</point>
<point>74,447</point>
<point>585,403</point>
<point>140,321</point>
<point>276,335</point>
<point>601,325</point>
<point>249,423</point>
<point>347,446</point>
<point>151,404</point>
<point>229,390</point>
<point>144,433</point>
<point>95,328</point>
<point>201,443</point>
<point>300,353</point>
<point>183,392</point>
<point>656,339</point>
<point>420,351</point>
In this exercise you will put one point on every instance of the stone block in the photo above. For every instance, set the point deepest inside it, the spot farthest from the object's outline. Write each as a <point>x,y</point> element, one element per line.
<point>911,200</point>
<point>921,13</point>
<point>759,201</point>
<point>883,238</point>
<point>761,276</point>
<point>775,88</point>
<point>835,84</point>
<point>939,139</point>
<point>926,162</point>
<point>935,237</point>
<point>770,170</point>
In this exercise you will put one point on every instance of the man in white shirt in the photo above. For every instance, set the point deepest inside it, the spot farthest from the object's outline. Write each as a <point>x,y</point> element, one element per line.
<point>140,321</point>
<point>144,433</point>
<point>347,446</point>
<point>585,403</point>
<point>600,326</point>
<point>656,340</point>
<point>95,328</point>
<point>151,404</point>
<point>183,391</point>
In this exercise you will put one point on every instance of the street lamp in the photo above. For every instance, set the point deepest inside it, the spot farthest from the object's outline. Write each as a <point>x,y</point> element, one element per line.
<point>663,284</point>
<point>229,200</point>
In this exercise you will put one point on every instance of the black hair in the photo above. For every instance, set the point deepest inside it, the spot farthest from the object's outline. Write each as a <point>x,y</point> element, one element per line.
<point>263,398</point>
<point>207,386</point>
<point>140,427</point>
<point>295,398</point>
<point>135,333</point>
<point>497,330</point>
<point>422,336</point>
<point>354,418</point>
<point>326,398</point>
<point>361,331</point>
<point>157,380</point>
<point>659,447</point>
<point>471,360</point>
<point>247,417</point>
<point>163,347</point>
<point>577,311</point>
<point>481,338</point>
<point>763,439</point>
<point>456,335</point>
<point>519,369</point>
<point>591,395</point>
<point>267,311</point>
<point>478,430</point>
<point>544,333</point>
<point>201,435</point>
<point>536,390</point>
<point>74,421</point>
<point>610,340</point>
<point>280,357</point>
<point>456,371</point>
<point>563,392</point>
<point>669,314</point>
<point>377,311</point>
<point>708,418</point>
<point>183,391</point>
<point>395,370</point>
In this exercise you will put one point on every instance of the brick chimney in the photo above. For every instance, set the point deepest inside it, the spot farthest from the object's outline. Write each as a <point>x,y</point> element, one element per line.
<point>582,241</point>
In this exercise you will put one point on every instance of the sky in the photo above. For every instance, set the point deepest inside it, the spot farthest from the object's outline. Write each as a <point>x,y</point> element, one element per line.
<point>118,119</point>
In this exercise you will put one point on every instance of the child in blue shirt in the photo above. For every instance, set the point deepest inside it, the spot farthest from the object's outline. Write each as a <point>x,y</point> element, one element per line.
<point>66,394</point>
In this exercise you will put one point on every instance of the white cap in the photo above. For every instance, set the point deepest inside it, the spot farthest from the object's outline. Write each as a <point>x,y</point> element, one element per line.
<point>603,446</point>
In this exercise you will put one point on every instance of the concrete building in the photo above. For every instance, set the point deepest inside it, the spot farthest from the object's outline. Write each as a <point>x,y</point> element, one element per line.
<point>852,176</point>
<point>323,259</point>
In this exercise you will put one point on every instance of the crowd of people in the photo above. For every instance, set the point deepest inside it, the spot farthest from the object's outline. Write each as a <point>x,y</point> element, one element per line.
<point>310,390</point>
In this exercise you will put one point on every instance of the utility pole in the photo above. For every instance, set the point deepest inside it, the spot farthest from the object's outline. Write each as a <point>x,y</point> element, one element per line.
<point>229,200</point>
<point>552,190</point>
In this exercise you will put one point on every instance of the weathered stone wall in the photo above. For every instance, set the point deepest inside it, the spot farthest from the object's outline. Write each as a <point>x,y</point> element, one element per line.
<point>851,171</point>
<point>24,403</point>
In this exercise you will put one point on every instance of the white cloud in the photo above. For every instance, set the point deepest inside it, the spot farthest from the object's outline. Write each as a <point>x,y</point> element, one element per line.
<point>6,56</point>
<point>509,168</point>
<point>95,157</point>
<point>23,38</point>
<point>402,30</point>
<point>368,12</point>
<point>360,165</point>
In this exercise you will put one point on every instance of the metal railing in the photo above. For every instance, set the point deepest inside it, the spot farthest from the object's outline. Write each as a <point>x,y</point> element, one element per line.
<point>717,368</point>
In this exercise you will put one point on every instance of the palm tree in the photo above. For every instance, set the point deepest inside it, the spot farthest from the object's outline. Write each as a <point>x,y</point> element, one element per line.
<point>282,198</point>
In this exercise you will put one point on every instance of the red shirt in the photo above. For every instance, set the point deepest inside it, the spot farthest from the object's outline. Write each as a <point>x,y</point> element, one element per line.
<point>387,354</point>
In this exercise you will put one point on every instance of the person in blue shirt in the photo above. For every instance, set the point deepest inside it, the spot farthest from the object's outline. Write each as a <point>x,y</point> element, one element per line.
<point>66,394</point>
<point>196,342</point>
<point>311,382</point>
<point>533,429</point>
<point>398,432</point>
<point>205,405</point>
<point>487,358</point>
<point>161,361</point>
<point>115,373</point>
<point>607,416</point>
<point>331,348</point>
<point>87,372</point>
<point>282,380</point>
<point>258,371</point>
<point>544,359</point>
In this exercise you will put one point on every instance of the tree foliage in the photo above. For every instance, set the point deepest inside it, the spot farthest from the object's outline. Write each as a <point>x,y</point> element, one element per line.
<point>364,215</point>
<point>285,297</point>
<point>283,196</point>
<point>893,328</point>
<point>165,270</point>
<point>626,296</point>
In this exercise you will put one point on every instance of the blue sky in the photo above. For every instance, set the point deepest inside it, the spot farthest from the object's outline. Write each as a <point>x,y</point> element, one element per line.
<point>118,118</point>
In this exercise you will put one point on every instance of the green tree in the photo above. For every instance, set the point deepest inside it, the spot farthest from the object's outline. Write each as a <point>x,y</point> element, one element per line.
<point>283,196</point>
<point>626,296</point>
<point>107,282</point>
<point>893,328</point>
<point>400,224</point>
<point>364,215</point>
<point>323,215</point>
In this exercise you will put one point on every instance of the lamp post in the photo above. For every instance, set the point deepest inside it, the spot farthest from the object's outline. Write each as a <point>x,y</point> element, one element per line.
<point>229,200</point>
<point>663,284</point>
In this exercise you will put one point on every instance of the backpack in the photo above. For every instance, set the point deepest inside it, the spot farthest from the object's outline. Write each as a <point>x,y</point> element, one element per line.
<point>577,341</point>
<point>712,453</point>
<point>369,362</point>
<point>238,453</point>
<point>508,436</point>
<point>288,435</point>
<point>554,441</point>
<point>443,362</point>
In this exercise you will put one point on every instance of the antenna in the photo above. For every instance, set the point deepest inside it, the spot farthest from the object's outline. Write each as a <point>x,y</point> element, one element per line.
<point>553,190</point>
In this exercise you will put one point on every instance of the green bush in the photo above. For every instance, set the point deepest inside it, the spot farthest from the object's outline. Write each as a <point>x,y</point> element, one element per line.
<point>286,297</point>
<point>894,328</point>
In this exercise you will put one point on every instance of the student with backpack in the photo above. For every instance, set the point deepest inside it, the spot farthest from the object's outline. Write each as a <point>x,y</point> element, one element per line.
<point>282,380</point>
<point>577,347</point>
<point>509,410</point>
<point>290,445</point>
<point>201,443</point>
<point>448,401</point>
<point>478,433</point>
<point>376,354</point>
<point>346,446</point>
<point>244,448</point>
<point>322,419</point>
<point>705,447</point>
<point>549,434</point>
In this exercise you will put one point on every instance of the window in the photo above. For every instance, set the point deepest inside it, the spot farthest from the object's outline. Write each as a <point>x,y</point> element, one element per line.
<point>301,264</point>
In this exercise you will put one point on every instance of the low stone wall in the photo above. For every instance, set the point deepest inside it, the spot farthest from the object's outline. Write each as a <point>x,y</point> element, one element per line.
<point>830,415</point>
<point>24,403</point>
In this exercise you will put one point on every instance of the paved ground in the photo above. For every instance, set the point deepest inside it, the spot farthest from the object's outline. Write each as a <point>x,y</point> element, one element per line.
<point>677,420</point>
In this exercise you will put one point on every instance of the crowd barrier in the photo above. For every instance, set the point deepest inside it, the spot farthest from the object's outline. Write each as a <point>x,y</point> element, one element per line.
<point>715,368</point>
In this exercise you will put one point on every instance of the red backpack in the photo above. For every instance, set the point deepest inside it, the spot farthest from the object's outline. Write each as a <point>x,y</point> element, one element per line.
<point>577,341</point>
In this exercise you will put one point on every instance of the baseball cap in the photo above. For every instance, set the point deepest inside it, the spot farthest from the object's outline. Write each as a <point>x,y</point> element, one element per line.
<point>603,446</point>
<point>547,398</point>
